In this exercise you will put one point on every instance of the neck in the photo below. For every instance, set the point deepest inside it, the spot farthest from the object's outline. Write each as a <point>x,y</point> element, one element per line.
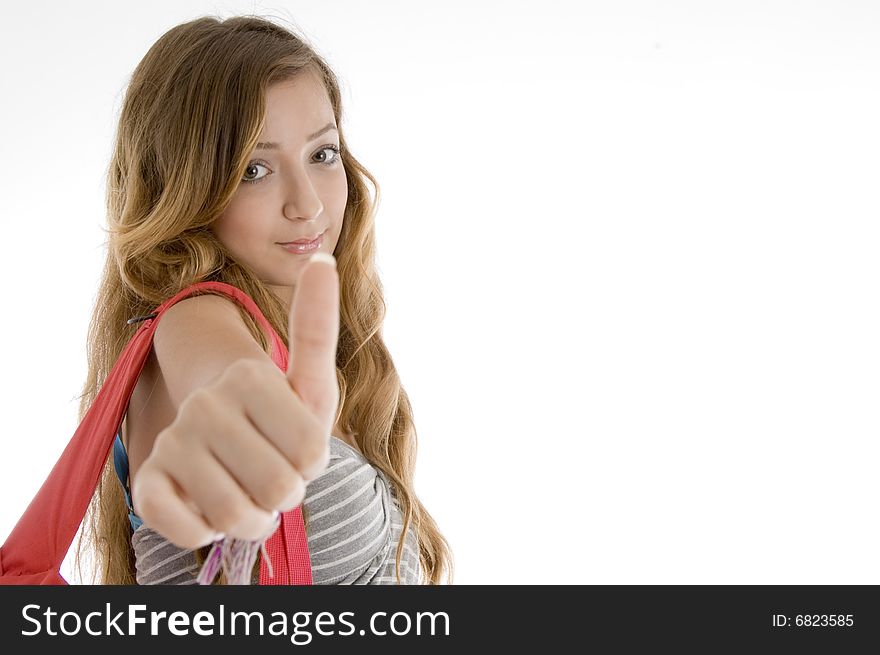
<point>284,294</point>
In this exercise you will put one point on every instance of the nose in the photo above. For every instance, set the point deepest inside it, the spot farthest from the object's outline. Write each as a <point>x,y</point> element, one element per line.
<point>301,201</point>
<point>294,215</point>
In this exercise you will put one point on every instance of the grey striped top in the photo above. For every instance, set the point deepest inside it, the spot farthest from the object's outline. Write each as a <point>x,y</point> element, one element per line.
<point>354,525</point>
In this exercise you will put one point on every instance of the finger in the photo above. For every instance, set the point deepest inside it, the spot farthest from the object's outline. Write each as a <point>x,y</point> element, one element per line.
<point>313,334</point>
<point>277,415</point>
<point>260,468</point>
<point>227,508</point>
<point>163,507</point>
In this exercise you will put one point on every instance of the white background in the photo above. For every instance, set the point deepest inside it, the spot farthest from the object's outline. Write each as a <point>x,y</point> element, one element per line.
<point>629,251</point>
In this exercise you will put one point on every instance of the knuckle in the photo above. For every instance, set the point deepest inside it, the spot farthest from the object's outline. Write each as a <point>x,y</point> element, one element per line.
<point>192,543</point>
<point>199,401</point>
<point>170,448</point>
<point>189,541</point>
<point>275,489</point>
<point>317,452</point>
<point>147,504</point>
<point>201,408</point>
<point>234,514</point>
<point>312,338</point>
<point>164,445</point>
<point>247,373</point>
<point>314,456</point>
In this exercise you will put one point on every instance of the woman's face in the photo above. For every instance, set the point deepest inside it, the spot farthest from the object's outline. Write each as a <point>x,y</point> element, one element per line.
<point>298,188</point>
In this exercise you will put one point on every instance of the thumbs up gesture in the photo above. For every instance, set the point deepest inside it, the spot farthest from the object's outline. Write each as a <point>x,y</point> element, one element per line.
<point>243,447</point>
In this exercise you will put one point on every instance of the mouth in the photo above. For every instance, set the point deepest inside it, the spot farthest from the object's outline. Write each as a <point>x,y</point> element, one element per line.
<point>305,245</point>
<point>304,241</point>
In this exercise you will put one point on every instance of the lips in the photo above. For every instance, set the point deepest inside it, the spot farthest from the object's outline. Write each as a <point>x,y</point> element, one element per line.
<point>304,241</point>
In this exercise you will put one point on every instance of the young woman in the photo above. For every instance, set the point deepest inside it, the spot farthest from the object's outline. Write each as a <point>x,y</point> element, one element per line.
<point>230,165</point>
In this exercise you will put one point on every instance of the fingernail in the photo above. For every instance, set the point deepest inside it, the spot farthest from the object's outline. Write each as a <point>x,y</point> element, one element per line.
<point>218,536</point>
<point>323,257</point>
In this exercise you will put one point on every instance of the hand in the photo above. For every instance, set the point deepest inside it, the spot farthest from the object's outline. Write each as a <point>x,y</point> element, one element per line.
<point>245,445</point>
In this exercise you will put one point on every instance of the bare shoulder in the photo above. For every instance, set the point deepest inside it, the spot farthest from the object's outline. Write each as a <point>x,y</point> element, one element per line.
<point>198,317</point>
<point>197,339</point>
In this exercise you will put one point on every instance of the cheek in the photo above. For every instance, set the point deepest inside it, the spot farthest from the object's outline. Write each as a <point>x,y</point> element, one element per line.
<point>232,230</point>
<point>339,200</point>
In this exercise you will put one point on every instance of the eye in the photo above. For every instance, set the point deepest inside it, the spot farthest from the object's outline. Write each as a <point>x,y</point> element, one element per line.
<point>253,166</point>
<point>337,156</point>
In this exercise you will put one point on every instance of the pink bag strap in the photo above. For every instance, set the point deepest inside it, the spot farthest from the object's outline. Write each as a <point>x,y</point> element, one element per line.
<point>35,549</point>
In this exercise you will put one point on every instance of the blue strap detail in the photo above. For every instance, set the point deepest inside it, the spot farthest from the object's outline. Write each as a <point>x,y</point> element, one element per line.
<point>120,462</point>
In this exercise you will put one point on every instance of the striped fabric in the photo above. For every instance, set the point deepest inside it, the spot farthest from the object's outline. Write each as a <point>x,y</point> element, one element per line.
<point>353,521</point>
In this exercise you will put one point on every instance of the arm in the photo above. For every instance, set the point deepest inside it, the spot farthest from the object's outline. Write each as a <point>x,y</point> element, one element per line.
<point>248,437</point>
<point>195,342</point>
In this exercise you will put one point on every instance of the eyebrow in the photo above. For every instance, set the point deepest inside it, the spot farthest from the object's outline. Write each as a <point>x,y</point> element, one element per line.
<point>273,145</point>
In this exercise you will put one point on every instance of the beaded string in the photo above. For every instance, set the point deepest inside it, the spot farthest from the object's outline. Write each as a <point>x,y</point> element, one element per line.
<point>237,557</point>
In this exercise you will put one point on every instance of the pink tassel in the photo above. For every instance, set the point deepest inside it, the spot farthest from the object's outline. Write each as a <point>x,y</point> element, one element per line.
<point>237,557</point>
<point>212,564</point>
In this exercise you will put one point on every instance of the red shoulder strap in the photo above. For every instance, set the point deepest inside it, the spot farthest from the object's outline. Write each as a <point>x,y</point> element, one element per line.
<point>36,547</point>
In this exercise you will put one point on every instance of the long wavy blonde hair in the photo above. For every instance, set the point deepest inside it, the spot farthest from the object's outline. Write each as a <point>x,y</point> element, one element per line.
<point>192,114</point>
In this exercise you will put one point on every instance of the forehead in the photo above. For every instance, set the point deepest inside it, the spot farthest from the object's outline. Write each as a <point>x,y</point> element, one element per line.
<point>298,104</point>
